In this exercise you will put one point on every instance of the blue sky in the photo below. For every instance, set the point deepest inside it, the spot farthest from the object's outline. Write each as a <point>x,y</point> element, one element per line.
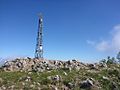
<point>88,30</point>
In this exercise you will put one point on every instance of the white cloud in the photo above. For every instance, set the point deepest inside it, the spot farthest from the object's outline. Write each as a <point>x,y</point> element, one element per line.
<point>103,46</point>
<point>90,42</point>
<point>112,44</point>
<point>117,27</point>
<point>116,37</point>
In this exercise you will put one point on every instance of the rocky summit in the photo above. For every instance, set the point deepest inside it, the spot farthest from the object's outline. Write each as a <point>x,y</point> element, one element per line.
<point>42,74</point>
<point>40,65</point>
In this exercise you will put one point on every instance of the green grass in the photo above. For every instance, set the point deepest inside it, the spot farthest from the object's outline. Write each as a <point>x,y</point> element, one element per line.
<point>13,78</point>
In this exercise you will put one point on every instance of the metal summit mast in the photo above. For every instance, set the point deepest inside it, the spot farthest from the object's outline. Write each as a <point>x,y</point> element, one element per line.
<point>39,45</point>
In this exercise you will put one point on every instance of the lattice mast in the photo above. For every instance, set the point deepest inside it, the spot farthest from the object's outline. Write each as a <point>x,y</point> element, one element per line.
<point>39,45</point>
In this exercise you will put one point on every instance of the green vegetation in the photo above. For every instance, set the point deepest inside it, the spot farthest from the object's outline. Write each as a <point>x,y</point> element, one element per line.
<point>41,80</point>
<point>104,76</point>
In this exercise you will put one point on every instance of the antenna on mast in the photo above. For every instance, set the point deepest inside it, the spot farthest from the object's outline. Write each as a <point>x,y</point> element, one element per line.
<point>39,45</point>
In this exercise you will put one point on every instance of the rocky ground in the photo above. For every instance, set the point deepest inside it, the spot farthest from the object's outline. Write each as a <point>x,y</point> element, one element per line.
<point>42,74</point>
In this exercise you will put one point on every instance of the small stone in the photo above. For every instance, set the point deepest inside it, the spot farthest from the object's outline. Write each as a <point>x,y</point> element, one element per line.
<point>29,73</point>
<point>103,65</point>
<point>74,60</point>
<point>38,88</point>
<point>92,66</point>
<point>65,73</point>
<point>28,79</point>
<point>105,78</point>
<point>3,87</point>
<point>38,83</point>
<point>86,84</point>
<point>56,78</point>
<point>12,87</point>
<point>23,83</point>
<point>32,86</point>
<point>71,85</point>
